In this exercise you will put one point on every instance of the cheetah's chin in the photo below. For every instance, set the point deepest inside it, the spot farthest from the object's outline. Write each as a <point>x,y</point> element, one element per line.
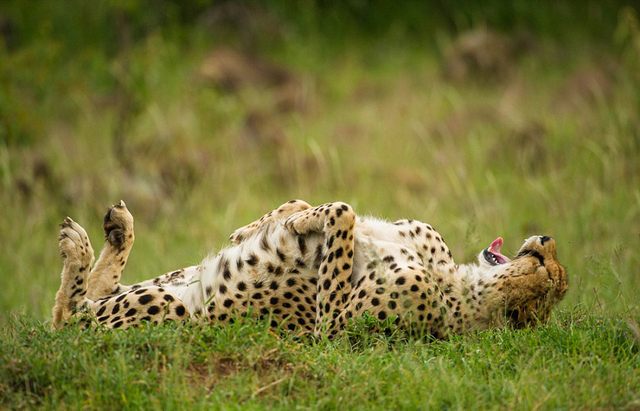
<point>492,254</point>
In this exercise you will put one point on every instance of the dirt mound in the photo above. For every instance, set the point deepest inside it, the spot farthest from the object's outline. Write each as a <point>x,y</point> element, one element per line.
<point>484,54</point>
<point>233,70</point>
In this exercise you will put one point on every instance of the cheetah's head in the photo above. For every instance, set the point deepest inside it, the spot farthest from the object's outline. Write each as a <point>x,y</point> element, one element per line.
<point>531,284</point>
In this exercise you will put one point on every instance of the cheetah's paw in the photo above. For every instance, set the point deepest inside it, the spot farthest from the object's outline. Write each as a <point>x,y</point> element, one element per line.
<point>305,222</point>
<point>74,244</point>
<point>118,225</point>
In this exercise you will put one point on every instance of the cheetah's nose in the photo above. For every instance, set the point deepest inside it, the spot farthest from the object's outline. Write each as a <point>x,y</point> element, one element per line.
<point>544,239</point>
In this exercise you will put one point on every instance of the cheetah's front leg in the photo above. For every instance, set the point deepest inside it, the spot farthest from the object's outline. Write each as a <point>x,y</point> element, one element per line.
<point>118,230</point>
<point>336,221</point>
<point>279,214</point>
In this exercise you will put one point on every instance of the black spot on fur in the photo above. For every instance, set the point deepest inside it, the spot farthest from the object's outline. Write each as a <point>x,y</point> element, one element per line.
<point>252,260</point>
<point>326,284</point>
<point>145,299</point>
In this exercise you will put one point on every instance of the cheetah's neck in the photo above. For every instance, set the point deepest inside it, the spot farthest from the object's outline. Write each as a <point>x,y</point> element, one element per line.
<point>476,287</point>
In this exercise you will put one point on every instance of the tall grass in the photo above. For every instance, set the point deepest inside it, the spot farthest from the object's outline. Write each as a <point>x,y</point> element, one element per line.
<point>552,149</point>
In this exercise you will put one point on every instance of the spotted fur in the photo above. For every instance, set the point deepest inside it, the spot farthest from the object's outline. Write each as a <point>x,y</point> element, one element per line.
<point>311,270</point>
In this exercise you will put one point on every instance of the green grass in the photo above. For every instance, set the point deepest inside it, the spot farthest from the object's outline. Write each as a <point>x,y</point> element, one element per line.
<point>552,149</point>
<point>578,361</point>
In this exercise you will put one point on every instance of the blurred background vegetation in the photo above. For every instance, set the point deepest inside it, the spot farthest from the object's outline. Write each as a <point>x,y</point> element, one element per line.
<point>484,119</point>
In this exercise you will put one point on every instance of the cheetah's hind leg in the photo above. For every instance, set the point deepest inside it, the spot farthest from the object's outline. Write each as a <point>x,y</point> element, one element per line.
<point>104,279</point>
<point>337,222</point>
<point>77,254</point>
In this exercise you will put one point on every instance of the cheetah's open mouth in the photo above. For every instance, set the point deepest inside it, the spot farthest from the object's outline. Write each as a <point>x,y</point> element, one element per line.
<point>492,254</point>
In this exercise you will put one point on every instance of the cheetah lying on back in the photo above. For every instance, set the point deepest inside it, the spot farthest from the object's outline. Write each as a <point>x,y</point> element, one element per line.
<point>311,270</point>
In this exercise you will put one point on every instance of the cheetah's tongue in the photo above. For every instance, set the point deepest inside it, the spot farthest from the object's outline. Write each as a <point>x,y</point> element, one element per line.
<point>495,250</point>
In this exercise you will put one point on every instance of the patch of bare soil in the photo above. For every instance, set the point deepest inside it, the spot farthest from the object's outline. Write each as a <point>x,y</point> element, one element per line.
<point>270,363</point>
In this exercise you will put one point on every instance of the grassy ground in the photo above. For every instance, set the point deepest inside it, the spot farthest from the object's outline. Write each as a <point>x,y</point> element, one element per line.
<point>580,361</point>
<point>545,142</point>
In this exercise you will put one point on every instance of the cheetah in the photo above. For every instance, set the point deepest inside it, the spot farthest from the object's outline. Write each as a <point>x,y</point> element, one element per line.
<point>311,270</point>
